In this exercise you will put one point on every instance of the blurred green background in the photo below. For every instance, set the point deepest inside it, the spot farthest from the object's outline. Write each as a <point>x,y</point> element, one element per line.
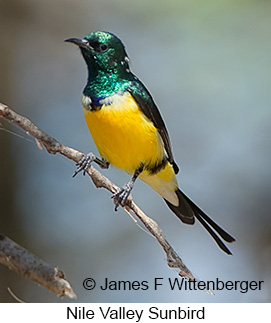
<point>207,65</point>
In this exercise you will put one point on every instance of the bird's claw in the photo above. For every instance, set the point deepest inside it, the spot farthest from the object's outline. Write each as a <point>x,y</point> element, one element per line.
<point>121,195</point>
<point>84,163</point>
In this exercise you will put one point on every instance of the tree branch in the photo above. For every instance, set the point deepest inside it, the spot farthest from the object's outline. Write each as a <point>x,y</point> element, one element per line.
<point>53,146</point>
<point>24,262</point>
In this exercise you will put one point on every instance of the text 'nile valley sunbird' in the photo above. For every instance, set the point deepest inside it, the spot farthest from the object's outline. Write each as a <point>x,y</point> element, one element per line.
<point>129,131</point>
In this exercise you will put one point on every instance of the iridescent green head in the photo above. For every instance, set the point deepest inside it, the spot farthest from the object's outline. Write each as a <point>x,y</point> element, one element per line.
<point>103,52</point>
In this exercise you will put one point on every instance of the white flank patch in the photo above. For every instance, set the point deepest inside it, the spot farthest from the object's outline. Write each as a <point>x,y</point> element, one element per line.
<point>86,102</point>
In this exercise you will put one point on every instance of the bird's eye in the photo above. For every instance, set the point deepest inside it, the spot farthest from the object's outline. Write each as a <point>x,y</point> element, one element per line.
<point>103,47</point>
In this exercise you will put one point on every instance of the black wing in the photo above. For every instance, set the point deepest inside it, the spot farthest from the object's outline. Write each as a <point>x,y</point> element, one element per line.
<point>145,101</point>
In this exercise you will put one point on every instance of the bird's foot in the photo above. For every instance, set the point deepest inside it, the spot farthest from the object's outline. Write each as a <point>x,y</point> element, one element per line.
<point>121,196</point>
<point>84,163</point>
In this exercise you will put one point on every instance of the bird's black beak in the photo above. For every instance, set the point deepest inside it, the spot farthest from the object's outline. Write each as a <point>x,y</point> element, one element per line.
<point>82,43</point>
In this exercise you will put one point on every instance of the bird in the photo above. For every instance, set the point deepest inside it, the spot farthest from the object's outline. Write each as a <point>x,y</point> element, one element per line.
<point>129,131</point>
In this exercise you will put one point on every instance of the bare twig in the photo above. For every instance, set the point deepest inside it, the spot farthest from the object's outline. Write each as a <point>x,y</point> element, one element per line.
<point>15,296</point>
<point>53,146</point>
<point>24,262</point>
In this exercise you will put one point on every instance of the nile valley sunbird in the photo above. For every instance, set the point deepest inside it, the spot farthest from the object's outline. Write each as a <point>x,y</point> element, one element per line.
<point>129,131</point>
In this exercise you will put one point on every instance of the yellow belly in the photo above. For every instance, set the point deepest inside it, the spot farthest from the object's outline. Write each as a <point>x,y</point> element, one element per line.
<point>124,135</point>
<point>164,183</point>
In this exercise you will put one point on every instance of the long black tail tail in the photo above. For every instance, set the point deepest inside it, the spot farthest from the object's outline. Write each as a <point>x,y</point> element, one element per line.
<point>188,210</point>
